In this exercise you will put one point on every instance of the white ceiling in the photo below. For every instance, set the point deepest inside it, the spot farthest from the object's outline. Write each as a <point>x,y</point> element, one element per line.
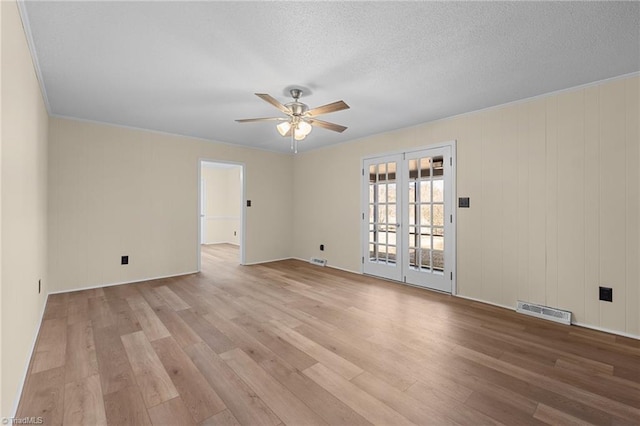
<point>191,68</point>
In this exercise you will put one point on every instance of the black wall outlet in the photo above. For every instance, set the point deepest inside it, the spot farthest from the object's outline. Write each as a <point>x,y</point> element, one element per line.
<point>606,294</point>
<point>463,202</point>
<point>248,203</point>
<point>321,247</point>
<point>234,233</point>
<point>124,260</point>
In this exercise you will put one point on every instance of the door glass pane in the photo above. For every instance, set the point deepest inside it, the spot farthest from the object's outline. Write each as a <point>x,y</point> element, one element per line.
<point>372,189</point>
<point>412,214</point>
<point>391,172</point>
<point>412,257</point>
<point>413,237</point>
<point>382,214</point>
<point>425,214</point>
<point>391,193</point>
<point>391,211</point>
<point>372,253</point>
<point>412,192</point>
<point>391,253</point>
<point>438,214</point>
<point>438,191</point>
<point>425,259</point>
<point>438,166</point>
<point>413,169</point>
<point>373,176</point>
<point>438,238</point>
<point>382,172</point>
<point>382,193</point>
<point>425,167</point>
<point>438,260</point>
<point>382,237</point>
<point>425,237</point>
<point>425,191</point>
<point>371,213</point>
<point>393,235</point>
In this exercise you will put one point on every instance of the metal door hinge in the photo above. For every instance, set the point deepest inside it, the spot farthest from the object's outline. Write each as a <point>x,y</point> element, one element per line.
<point>451,276</point>
<point>450,218</point>
<point>362,259</point>
<point>362,172</point>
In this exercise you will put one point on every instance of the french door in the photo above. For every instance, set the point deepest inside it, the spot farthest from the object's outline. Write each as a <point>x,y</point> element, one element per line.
<point>408,218</point>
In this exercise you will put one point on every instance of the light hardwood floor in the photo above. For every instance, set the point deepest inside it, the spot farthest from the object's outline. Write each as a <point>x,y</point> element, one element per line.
<point>291,343</point>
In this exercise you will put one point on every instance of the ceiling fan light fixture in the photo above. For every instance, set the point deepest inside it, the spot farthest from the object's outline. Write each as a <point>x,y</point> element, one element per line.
<point>304,128</point>
<point>283,128</point>
<point>300,119</point>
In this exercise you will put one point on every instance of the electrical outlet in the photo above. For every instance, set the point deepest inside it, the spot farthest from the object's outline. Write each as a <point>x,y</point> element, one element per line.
<point>124,260</point>
<point>234,233</point>
<point>606,294</point>
<point>321,247</point>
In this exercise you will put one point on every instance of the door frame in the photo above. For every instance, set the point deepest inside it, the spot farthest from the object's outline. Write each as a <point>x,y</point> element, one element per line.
<point>203,218</point>
<point>454,210</point>
<point>243,216</point>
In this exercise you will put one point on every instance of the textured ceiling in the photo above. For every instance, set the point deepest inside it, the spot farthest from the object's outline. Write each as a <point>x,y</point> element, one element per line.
<point>191,68</point>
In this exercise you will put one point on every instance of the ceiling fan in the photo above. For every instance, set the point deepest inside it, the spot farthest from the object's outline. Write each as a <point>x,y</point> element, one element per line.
<point>300,119</point>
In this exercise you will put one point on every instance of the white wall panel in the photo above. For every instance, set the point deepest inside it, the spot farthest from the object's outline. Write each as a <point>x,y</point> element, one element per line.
<point>554,191</point>
<point>613,202</point>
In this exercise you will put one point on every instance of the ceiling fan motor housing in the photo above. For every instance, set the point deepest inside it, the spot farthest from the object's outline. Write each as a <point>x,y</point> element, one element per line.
<point>297,108</point>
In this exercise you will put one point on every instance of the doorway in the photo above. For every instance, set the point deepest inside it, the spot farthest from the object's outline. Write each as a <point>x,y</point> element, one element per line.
<point>408,217</point>
<point>220,207</point>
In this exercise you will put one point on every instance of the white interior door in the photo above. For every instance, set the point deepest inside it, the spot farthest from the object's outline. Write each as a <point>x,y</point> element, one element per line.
<point>381,217</point>
<point>408,228</point>
<point>428,215</point>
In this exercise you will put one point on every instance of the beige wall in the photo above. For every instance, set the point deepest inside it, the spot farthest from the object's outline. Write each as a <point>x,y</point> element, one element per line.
<point>1,62</point>
<point>23,182</point>
<point>223,205</point>
<point>554,189</point>
<point>116,191</point>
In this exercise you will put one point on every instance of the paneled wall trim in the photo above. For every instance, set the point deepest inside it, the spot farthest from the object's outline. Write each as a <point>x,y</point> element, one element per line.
<point>554,188</point>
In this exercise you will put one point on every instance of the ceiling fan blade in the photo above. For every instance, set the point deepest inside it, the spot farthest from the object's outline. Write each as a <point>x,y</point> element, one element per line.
<point>326,125</point>
<point>251,120</point>
<point>273,101</point>
<point>326,109</point>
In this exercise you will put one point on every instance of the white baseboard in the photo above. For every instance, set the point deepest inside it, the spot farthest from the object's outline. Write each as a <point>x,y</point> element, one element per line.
<point>221,242</point>
<point>511,308</point>
<point>606,330</point>
<point>14,409</point>
<point>267,261</point>
<point>328,265</point>
<point>576,323</point>
<point>123,282</point>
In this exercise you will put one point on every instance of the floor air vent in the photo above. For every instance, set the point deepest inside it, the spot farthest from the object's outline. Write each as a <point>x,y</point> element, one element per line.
<point>544,312</point>
<point>318,261</point>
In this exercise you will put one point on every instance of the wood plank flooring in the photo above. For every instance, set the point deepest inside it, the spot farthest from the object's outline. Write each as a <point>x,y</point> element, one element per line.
<point>295,344</point>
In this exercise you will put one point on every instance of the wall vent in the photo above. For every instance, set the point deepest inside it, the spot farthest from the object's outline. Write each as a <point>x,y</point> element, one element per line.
<point>545,312</point>
<point>318,261</point>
